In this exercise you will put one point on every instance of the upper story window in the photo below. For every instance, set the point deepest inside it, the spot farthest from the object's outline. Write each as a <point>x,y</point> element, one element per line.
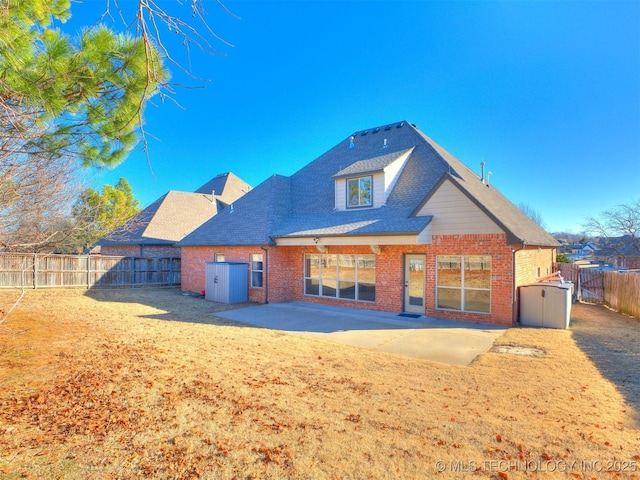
<point>359,192</point>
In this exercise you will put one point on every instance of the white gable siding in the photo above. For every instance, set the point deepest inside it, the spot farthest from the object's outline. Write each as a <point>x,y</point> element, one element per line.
<point>341,194</point>
<point>392,172</point>
<point>454,214</point>
<point>379,197</point>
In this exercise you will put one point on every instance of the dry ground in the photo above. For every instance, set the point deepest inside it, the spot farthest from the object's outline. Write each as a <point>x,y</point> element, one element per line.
<point>145,383</point>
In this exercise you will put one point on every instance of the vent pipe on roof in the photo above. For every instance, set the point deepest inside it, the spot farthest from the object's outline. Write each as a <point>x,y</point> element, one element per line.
<point>482,170</point>
<point>213,196</point>
<point>384,145</point>
<point>351,144</point>
<point>488,177</point>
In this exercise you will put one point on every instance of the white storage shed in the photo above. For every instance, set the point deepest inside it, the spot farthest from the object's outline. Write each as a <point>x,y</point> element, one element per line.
<point>546,304</point>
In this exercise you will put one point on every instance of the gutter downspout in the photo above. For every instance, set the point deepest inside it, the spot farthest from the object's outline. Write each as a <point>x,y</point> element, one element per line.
<point>514,312</point>
<point>266,274</point>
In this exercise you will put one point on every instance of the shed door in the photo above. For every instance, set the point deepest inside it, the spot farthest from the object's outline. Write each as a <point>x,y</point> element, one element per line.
<point>414,284</point>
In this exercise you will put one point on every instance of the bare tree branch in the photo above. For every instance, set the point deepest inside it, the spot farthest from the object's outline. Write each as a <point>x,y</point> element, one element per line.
<point>620,226</point>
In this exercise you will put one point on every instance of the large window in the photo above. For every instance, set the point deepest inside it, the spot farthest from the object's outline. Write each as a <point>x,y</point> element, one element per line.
<point>257,270</point>
<point>464,283</point>
<point>359,192</point>
<point>349,277</point>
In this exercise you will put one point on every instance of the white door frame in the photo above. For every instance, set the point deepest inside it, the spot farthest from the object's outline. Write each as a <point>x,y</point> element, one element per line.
<point>415,283</point>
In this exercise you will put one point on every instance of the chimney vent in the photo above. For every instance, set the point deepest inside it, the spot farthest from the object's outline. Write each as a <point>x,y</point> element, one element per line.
<point>482,170</point>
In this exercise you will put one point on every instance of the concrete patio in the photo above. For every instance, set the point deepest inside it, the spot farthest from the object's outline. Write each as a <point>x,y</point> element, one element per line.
<point>445,341</point>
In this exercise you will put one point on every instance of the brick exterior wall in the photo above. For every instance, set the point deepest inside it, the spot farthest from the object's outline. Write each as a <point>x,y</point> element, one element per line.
<point>532,263</point>
<point>193,266</point>
<point>120,250</point>
<point>146,251</point>
<point>286,272</point>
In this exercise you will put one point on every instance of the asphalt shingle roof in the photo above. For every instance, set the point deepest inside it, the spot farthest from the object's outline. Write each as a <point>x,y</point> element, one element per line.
<point>176,214</point>
<point>371,165</point>
<point>166,221</point>
<point>303,204</point>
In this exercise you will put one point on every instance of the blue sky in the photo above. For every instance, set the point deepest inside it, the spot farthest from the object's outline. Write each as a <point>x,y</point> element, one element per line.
<point>546,93</point>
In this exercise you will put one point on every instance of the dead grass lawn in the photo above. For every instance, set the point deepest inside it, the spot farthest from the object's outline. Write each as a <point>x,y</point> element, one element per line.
<point>145,383</point>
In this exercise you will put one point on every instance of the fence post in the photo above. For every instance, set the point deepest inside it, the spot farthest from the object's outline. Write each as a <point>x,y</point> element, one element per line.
<point>171,272</point>
<point>88,271</point>
<point>133,271</point>
<point>35,271</point>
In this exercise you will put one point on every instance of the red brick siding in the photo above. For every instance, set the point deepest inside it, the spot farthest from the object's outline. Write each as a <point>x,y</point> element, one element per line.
<point>501,274</point>
<point>193,266</point>
<point>146,251</point>
<point>285,273</point>
<point>121,250</point>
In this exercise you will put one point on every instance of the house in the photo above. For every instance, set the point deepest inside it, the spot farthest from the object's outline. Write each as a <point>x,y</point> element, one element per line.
<point>584,249</point>
<point>620,252</point>
<point>155,230</point>
<point>385,220</point>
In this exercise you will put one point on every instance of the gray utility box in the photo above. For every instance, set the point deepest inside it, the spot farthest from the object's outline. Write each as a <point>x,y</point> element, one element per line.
<point>546,304</point>
<point>226,282</point>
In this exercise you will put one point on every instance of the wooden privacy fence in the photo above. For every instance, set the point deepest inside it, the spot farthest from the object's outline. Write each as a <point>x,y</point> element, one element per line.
<point>88,271</point>
<point>622,292</point>
<point>619,290</point>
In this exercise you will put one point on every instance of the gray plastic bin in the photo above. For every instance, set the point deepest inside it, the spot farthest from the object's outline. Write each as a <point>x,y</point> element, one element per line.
<point>546,304</point>
<point>226,282</point>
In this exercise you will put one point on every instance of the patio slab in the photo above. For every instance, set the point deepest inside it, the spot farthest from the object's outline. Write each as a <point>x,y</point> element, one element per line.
<point>445,341</point>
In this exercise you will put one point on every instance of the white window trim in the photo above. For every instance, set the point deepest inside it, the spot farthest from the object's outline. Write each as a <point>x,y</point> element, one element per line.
<point>462,288</point>
<point>337,278</point>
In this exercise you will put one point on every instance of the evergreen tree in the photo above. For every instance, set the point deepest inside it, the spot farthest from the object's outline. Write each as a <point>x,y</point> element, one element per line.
<point>81,96</point>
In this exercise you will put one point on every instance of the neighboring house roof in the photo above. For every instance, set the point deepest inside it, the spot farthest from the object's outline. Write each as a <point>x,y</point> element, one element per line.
<point>176,214</point>
<point>623,250</point>
<point>227,187</point>
<point>303,205</point>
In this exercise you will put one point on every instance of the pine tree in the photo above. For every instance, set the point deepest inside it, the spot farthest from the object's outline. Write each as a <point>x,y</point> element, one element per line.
<point>82,96</point>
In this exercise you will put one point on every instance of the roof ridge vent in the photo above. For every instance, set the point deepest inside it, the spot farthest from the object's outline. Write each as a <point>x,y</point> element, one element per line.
<point>400,125</point>
<point>376,130</point>
<point>364,133</point>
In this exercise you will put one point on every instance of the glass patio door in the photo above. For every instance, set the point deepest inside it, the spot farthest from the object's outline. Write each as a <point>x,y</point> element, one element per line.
<point>414,284</point>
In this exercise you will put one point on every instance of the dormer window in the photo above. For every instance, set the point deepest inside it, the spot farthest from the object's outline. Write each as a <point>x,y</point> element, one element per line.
<point>368,183</point>
<point>359,192</point>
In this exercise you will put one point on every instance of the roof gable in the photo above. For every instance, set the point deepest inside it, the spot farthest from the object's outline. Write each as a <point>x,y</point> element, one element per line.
<point>454,213</point>
<point>226,187</point>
